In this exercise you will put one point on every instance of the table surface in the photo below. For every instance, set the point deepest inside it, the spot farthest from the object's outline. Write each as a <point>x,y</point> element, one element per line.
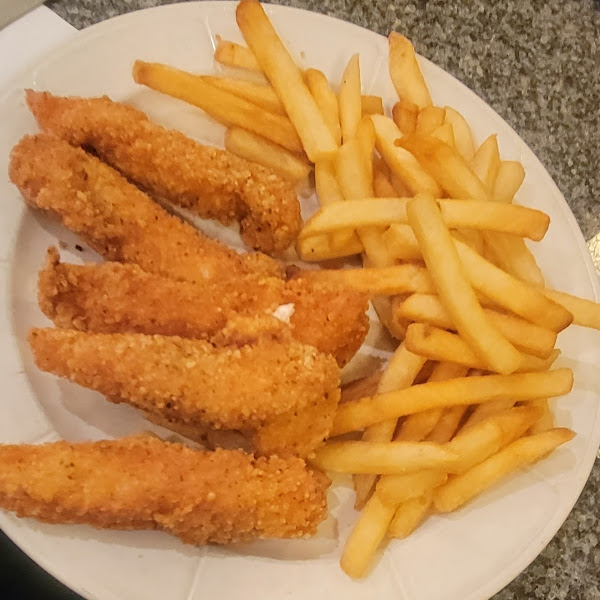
<point>538,65</point>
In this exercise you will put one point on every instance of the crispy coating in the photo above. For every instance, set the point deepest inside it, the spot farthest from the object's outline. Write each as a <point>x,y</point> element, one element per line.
<point>121,298</point>
<point>115,218</point>
<point>141,482</point>
<point>266,386</point>
<point>211,182</point>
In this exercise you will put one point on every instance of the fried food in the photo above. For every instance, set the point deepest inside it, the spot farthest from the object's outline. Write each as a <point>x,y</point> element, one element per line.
<point>122,298</point>
<point>280,395</point>
<point>141,482</point>
<point>211,182</point>
<point>115,218</point>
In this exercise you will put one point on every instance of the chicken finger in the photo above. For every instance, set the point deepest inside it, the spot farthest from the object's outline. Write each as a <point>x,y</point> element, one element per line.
<point>115,218</point>
<point>141,482</point>
<point>208,181</point>
<point>282,396</point>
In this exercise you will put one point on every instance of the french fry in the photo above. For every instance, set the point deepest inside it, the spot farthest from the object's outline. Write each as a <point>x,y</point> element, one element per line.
<point>444,133</point>
<point>382,457</point>
<point>221,105</point>
<point>395,489</point>
<point>402,243</point>
<point>512,255</point>
<point>400,373</point>
<point>401,161</point>
<point>326,101</point>
<point>447,425</point>
<point>388,281</point>
<point>371,105</point>
<point>366,536</point>
<point>510,293</point>
<point>524,335</point>
<point>508,180</point>
<point>286,78</point>
<point>257,149</point>
<point>405,71</point>
<point>486,162</point>
<point>546,419</point>
<point>353,416</point>
<point>462,488</point>
<point>470,214</point>
<point>454,289</point>
<point>473,239</point>
<point>446,166</point>
<point>349,99</point>
<point>428,119</point>
<point>463,138</point>
<point>438,344</point>
<point>320,248</point>
<point>401,189</point>
<point>261,94</point>
<point>585,312</point>
<point>382,186</point>
<point>235,55</point>
<point>358,388</point>
<point>365,134</point>
<point>484,411</point>
<point>405,114</point>
<point>410,515</point>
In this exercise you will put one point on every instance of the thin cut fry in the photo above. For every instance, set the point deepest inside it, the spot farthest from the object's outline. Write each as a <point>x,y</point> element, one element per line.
<point>286,78</point>
<point>463,138</point>
<point>429,118</point>
<point>394,489</point>
<point>405,115</point>
<point>459,490</point>
<point>447,425</point>
<point>353,416</point>
<point>546,420</point>
<point>320,248</point>
<point>235,55</point>
<point>585,312</point>
<point>454,289</point>
<point>486,162</point>
<point>486,410</point>
<point>257,149</point>
<point>365,134</point>
<point>405,71</point>
<point>402,243</point>
<point>382,185</point>
<point>326,101</point>
<point>349,99</point>
<point>445,134</point>
<point>225,107</point>
<point>509,179</point>
<point>409,516</point>
<point>371,105</point>
<point>261,94</point>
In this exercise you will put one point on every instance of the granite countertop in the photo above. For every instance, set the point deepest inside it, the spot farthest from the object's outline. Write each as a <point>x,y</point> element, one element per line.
<point>538,65</point>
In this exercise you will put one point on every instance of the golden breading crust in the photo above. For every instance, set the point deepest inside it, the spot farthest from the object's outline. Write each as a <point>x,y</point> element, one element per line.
<point>262,390</point>
<point>122,298</point>
<point>211,182</point>
<point>115,218</point>
<point>141,482</point>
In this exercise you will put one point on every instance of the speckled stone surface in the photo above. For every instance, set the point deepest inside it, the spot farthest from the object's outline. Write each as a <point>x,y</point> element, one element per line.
<point>538,65</point>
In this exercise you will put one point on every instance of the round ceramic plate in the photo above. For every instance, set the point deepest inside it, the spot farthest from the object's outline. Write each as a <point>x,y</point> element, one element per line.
<point>474,552</point>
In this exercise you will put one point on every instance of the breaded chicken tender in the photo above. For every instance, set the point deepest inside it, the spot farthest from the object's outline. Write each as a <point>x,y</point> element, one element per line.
<point>210,182</point>
<point>115,218</point>
<point>122,298</point>
<point>281,396</point>
<point>141,482</point>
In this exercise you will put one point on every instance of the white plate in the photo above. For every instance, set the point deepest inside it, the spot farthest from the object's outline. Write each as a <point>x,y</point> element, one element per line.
<point>472,553</point>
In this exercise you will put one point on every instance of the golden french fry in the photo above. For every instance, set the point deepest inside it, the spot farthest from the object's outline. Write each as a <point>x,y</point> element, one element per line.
<point>261,94</point>
<point>395,489</point>
<point>221,105</point>
<point>401,189</point>
<point>546,420</point>
<point>444,133</point>
<point>365,134</point>
<point>510,293</point>
<point>486,162</point>
<point>486,410</point>
<point>320,248</point>
<point>382,185</point>
<point>524,335</point>
<point>363,386</point>
<point>402,243</point>
<point>447,425</point>
<point>235,55</point>
<point>471,214</point>
<point>353,416</point>
<point>410,515</point>
<point>508,180</point>
<point>371,105</point>
<point>349,99</point>
<point>405,71</point>
<point>463,138</point>
<point>388,281</point>
<point>286,78</point>
<point>405,115</point>
<point>513,256</point>
<point>428,119</point>
<point>382,457</point>
<point>326,101</point>
<point>446,166</point>
<point>401,161</point>
<point>366,536</point>
<point>257,149</point>
<point>400,373</point>
<point>438,344</point>
<point>462,488</point>
<point>455,290</point>
<point>585,312</point>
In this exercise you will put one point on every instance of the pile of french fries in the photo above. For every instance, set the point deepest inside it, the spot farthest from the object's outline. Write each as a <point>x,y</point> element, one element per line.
<point>463,401</point>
